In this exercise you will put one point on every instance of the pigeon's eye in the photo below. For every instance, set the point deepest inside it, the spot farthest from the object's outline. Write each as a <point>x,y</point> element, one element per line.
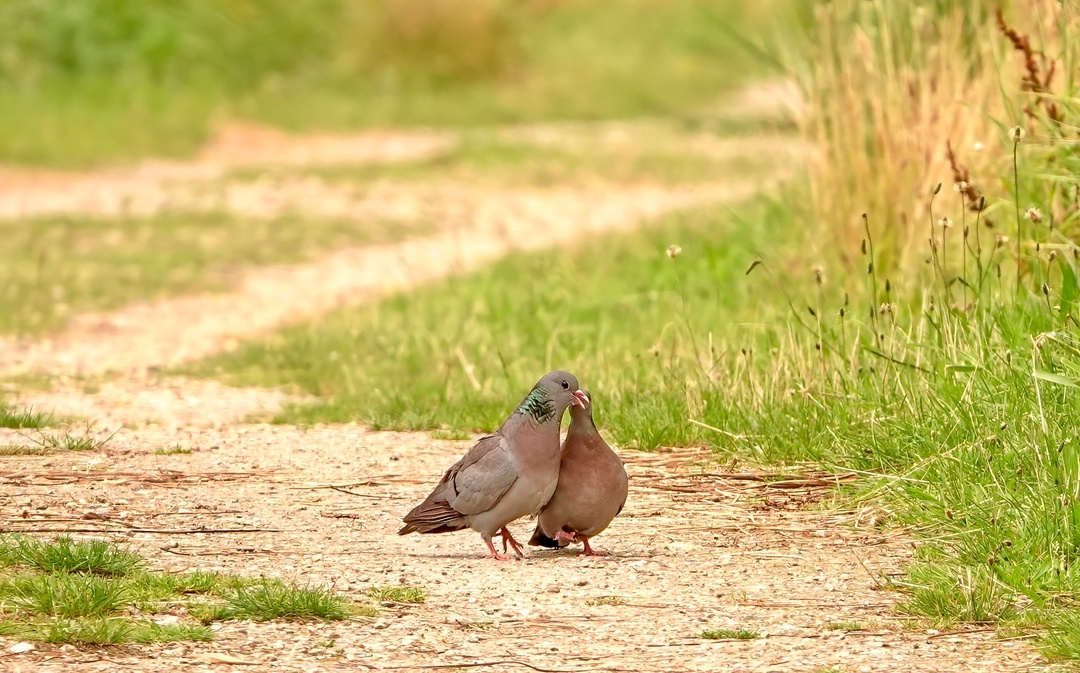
<point>565,385</point>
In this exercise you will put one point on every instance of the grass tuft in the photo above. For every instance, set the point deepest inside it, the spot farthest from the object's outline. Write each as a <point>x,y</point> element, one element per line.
<point>12,417</point>
<point>59,595</point>
<point>264,600</point>
<point>729,634</point>
<point>397,594</point>
<point>606,600</point>
<point>954,595</point>
<point>65,591</point>
<point>66,555</point>
<point>172,450</point>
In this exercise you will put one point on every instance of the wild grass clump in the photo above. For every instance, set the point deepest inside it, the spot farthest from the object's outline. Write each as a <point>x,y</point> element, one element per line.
<point>85,592</point>
<point>271,599</point>
<point>17,417</point>
<point>397,594</point>
<point>67,555</point>
<point>900,95</point>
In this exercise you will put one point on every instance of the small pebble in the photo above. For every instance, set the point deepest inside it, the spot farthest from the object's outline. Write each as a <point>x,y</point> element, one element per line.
<point>19,648</point>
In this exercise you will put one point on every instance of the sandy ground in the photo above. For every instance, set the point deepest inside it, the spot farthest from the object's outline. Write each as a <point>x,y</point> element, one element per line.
<point>695,549</point>
<point>689,553</point>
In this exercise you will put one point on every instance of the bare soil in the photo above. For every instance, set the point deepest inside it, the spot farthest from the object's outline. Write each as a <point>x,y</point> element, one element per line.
<point>694,550</point>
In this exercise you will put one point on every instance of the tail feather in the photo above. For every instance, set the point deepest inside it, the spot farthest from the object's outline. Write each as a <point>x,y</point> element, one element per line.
<point>433,517</point>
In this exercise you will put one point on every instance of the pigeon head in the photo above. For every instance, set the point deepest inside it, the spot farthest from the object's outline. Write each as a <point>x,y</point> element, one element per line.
<point>583,411</point>
<point>551,395</point>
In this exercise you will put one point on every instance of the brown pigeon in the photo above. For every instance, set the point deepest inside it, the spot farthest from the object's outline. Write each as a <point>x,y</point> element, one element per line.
<point>591,491</point>
<point>506,475</point>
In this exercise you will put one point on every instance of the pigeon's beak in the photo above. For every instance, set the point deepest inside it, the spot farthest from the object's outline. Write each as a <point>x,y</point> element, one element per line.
<point>580,399</point>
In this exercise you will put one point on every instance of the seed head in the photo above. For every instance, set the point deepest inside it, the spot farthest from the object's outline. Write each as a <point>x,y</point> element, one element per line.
<point>674,250</point>
<point>819,275</point>
<point>1000,240</point>
<point>1017,133</point>
<point>945,222</point>
<point>1034,214</point>
<point>960,186</point>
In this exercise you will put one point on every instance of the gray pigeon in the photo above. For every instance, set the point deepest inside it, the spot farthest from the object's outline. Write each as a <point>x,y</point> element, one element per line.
<point>591,491</point>
<point>506,475</point>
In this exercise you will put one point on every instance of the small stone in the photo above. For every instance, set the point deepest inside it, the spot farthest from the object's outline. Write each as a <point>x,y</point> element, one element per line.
<point>167,620</point>
<point>554,589</point>
<point>19,648</point>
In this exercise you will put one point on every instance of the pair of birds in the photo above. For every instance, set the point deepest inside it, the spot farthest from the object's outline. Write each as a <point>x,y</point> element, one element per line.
<point>576,489</point>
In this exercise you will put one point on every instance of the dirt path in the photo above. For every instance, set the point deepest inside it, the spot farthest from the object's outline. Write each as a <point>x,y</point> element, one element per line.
<point>688,554</point>
<point>491,225</point>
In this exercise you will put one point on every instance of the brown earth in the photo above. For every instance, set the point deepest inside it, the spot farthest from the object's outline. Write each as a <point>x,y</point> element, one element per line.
<point>694,550</point>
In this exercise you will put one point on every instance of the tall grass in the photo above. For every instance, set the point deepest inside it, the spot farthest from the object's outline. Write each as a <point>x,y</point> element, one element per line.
<point>954,375</point>
<point>904,95</point>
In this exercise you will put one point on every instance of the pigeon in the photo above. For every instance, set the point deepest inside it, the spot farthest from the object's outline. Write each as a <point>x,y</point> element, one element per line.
<point>591,490</point>
<point>505,475</point>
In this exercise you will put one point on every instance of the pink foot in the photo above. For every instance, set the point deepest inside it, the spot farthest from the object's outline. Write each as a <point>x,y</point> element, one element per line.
<point>589,551</point>
<point>494,554</point>
<point>507,538</point>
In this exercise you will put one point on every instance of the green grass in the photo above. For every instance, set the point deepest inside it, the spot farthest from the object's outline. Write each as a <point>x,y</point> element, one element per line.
<point>106,81</point>
<point>68,441</point>
<point>23,450</point>
<point>729,634</point>
<point>397,594</point>
<point>845,626</point>
<point>60,595</point>
<point>52,267</point>
<point>66,555</point>
<point>15,417</point>
<point>84,592</point>
<point>103,631</point>
<point>172,450</point>
<point>270,599</point>
<point>614,311</point>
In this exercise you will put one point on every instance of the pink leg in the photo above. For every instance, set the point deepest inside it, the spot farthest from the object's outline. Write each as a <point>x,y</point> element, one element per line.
<point>514,544</point>
<point>589,551</point>
<point>494,554</point>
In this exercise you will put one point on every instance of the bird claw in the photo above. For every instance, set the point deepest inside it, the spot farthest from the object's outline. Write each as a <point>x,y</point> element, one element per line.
<point>502,557</point>
<point>508,539</point>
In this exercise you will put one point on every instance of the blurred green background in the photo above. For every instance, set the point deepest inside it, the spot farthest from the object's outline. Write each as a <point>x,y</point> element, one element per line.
<point>104,80</point>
